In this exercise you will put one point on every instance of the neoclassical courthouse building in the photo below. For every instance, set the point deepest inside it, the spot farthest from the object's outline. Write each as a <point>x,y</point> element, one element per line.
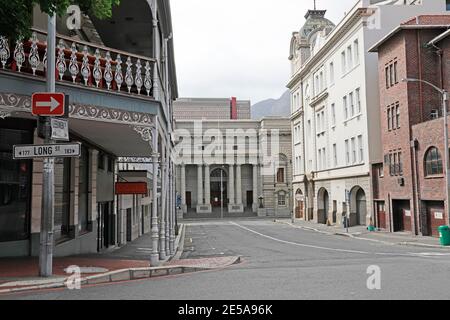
<point>229,163</point>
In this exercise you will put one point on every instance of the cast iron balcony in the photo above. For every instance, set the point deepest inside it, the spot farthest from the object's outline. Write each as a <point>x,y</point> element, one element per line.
<point>81,63</point>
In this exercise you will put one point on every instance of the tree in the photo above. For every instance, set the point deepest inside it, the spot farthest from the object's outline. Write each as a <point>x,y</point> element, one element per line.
<point>16,16</point>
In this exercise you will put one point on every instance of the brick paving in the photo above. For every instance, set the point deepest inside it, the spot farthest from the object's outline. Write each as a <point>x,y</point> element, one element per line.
<point>208,263</point>
<point>22,268</point>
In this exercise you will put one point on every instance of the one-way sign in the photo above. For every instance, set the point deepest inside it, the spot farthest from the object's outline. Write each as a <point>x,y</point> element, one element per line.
<point>48,104</point>
<point>47,151</point>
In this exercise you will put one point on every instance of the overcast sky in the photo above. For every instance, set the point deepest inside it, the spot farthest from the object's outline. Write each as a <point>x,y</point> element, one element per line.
<point>239,47</point>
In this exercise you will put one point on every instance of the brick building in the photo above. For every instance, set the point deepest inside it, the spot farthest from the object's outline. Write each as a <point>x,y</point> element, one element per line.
<point>409,184</point>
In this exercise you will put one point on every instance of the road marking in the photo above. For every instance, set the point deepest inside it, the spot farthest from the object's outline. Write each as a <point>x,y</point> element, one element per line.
<point>427,255</point>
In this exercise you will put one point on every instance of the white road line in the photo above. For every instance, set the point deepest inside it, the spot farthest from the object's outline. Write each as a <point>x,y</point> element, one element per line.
<point>332,249</point>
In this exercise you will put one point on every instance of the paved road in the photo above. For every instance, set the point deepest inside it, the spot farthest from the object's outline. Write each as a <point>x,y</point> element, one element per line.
<point>281,262</point>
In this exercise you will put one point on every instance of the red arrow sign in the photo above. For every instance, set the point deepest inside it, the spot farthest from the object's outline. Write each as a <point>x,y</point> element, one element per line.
<point>48,104</point>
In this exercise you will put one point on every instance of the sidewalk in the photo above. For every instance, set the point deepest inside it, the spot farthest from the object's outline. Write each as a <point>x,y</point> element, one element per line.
<point>361,232</point>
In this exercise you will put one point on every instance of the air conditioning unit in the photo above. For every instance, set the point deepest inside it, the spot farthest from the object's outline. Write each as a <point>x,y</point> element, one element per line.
<point>401,181</point>
<point>434,114</point>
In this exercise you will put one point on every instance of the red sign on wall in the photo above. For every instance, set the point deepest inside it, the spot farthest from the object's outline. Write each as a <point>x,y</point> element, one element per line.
<point>131,188</point>
<point>48,104</point>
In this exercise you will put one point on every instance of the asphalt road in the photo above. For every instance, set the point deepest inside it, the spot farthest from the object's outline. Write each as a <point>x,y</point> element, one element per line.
<point>282,262</point>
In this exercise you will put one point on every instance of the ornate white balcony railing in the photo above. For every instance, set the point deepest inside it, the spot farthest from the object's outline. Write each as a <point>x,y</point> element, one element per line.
<point>81,63</point>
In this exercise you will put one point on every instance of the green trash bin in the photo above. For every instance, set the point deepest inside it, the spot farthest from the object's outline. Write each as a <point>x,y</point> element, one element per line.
<point>444,233</point>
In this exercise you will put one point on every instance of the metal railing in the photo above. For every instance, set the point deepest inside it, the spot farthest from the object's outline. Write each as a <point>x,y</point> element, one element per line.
<point>81,63</point>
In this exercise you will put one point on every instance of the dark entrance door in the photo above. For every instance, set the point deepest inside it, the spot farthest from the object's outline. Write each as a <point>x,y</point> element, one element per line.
<point>216,199</point>
<point>249,199</point>
<point>381,214</point>
<point>401,215</point>
<point>188,199</point>
<point>129,224</point>
<point>436,217</point>
<point>105,226</point>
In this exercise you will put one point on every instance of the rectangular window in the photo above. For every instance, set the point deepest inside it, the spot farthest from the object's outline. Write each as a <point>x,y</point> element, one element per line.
<point>101,161</point>
<point>280,175</point>
<point>281,199</point>
<point>83,187</point>
<point>318,124</point>
<point>356,49</point>
<point>349,57</point>
<point>353,150</point>
<point>391,75</point>
<point>62,198</point>
<point>345,107</point>
<point>352,104</point>
<point>400,164</point>
<point>333,114</point>
<point>331,73</point>
<point>343,62</point>
<point>319,162</point>
<point>322,83</point>
<point>323,121</point>
<point>389,119</point>
<point>358,101</point>
<point>448,5</point>
<point>324,158</point>
<point>397,115</point>
<point>361,149</point>
<point>386,70</point>
<point>347,153</point>
<point>335,160</point>
<point>15,186</point>
<point>395,73</point>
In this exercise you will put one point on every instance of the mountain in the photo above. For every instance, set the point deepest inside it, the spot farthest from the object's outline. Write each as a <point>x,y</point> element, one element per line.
<point>272,107</point>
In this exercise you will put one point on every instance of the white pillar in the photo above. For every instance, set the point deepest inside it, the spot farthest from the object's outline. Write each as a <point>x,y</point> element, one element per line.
<point>199,185</point>
<point>255,188</point>
<point>231,187</point>
<point>207,186</point>
<point>238,185</point>
<point>183,186</point>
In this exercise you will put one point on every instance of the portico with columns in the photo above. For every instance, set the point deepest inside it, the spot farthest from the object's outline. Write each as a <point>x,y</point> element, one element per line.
<point>238,182</point>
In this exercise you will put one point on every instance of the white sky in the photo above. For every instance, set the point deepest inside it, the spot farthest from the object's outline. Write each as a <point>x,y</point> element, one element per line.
<point>239,47</point>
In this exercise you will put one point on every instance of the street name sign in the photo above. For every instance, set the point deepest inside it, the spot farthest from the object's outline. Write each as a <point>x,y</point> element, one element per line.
<point>72,150</point>
<point>48,104</point>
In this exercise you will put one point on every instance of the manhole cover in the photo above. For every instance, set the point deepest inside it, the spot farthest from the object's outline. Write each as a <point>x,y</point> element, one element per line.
<point>89,270</point>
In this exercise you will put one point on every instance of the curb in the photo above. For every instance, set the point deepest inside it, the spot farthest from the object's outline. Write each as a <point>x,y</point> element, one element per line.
<point>357,236</point>
<point>124,275</point>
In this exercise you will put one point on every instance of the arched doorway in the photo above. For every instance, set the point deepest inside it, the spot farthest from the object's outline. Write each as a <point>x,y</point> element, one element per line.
<point>299,204</point>
<point>358,207</point>
<point>217,176</point>
<point>323,206</point>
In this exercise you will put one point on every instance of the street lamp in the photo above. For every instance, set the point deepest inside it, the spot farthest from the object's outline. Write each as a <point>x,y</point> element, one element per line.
<point>445,98</point>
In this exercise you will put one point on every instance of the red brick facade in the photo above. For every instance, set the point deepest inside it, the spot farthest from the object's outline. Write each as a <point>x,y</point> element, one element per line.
<point>402,190</point>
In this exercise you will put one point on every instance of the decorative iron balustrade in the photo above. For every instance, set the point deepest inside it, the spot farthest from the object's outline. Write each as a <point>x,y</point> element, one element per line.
<point>81,63</point>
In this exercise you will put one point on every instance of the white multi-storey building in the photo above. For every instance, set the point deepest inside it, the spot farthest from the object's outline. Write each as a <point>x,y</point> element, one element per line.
<point>335,108</point>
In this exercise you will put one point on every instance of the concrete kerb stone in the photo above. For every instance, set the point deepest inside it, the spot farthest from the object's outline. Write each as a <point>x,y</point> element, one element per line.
<point>121,275</point>
<point>358,236</point>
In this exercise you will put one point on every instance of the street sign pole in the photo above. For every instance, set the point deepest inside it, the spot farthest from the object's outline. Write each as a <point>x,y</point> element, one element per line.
<point>48,191</point>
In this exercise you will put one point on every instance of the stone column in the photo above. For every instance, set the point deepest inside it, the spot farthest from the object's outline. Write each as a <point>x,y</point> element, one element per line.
<point>183,188</point>
<point>199,185</point>
<point>231,183</point>
<point>154,257</point>
<point>255,188</point>
<point>207,186</point>
<point>238,185</point>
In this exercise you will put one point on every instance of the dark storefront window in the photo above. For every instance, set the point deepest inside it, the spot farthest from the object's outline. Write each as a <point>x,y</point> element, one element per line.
<point>83,201</point>
<point>62,198</point>
<point>15,185</point>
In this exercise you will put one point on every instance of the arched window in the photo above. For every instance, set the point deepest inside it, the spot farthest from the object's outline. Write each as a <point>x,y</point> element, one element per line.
<point>433,162</point>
